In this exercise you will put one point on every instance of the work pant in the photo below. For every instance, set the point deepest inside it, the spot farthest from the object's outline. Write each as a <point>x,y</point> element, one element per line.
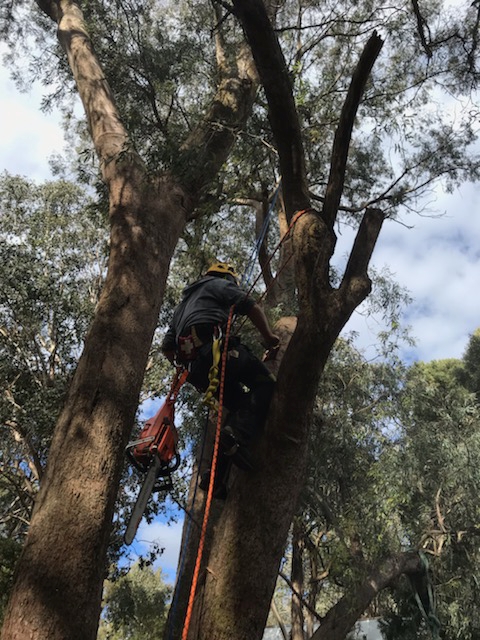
<point>248,407</point>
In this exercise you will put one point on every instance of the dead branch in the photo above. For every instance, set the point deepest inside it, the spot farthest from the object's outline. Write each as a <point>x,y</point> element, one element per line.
<point>343,133</point>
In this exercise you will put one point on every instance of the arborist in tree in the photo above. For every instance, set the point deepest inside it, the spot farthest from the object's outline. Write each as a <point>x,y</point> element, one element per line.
<point>197,321</point>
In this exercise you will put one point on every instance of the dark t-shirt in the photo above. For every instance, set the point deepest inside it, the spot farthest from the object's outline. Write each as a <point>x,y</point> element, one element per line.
<point>206,301</point>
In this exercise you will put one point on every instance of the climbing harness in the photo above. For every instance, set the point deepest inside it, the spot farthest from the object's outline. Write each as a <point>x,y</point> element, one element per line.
<point>155,453</point>
<point>208,503</point>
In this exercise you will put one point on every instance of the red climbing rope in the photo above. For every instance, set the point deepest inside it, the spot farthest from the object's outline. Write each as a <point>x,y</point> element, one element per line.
<point>177,383</point>
<point>213,469</point>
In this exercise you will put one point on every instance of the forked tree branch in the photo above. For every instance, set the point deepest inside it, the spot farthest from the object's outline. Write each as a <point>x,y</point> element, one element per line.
<point>207,147</point>
<point>21,435</point>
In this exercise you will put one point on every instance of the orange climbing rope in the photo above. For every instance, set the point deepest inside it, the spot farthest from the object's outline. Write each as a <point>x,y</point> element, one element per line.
<point>179,379</point>
<point>206,515</point>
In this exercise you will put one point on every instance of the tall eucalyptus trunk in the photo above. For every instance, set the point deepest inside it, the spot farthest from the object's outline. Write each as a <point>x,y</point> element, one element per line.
<point>59,577</point>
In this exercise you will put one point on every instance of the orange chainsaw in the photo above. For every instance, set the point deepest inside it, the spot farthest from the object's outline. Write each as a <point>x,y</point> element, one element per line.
<point>155,453</point>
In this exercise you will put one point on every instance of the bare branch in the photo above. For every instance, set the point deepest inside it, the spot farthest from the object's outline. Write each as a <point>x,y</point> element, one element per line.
<point>212,138</point>
<point>108,133</point>
<point>341,618</point>
<point>50,8</point>
<point>221,56</point>
<point>343,134</point>
<point>300,597</point>
<point>422,26</point>
<point>363,246</point>
<point>278,617</point>
<point>21,435</point>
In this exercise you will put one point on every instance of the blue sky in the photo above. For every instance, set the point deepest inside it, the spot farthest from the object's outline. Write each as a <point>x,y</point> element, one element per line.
<point>438,260</point>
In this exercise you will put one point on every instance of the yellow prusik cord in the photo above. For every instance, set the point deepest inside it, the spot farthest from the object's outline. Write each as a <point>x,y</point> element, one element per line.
<point>214,381</point>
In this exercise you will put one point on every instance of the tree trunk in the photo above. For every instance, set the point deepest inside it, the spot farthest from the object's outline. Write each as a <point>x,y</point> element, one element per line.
<point>250,536</point>
<point>59,577</point>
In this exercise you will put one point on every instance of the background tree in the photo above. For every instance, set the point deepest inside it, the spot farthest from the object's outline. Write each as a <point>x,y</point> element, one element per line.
<point>135,605</point>
<point>393,470</point>
<point>437,465</point>
<point>53,253</point>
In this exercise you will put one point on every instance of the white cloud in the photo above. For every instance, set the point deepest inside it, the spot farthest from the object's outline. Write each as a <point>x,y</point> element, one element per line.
<point>29,136</point>
<point>167,537</point>
<point>438,261</point>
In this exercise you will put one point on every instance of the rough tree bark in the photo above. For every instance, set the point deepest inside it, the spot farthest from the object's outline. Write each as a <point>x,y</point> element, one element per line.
<point>249,538</point>
<point>57,592</point>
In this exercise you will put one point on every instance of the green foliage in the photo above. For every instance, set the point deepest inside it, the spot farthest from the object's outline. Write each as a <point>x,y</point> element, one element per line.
<point>438,472</point>
<point>395,459</point>
<point>52,256</point>
<point>164,75</point>
<point>135,605</point>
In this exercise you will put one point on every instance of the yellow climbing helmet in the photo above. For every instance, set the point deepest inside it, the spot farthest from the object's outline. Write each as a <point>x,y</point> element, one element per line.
<point>223,269</point>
